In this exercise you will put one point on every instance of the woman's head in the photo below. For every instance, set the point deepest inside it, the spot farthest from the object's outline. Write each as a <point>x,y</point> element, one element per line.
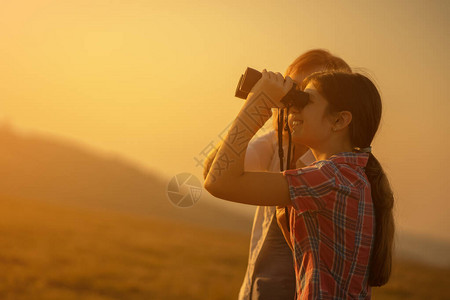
<point>346,104</point>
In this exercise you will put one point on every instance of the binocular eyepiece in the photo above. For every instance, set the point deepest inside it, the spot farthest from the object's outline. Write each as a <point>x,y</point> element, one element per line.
<point>294,97</point>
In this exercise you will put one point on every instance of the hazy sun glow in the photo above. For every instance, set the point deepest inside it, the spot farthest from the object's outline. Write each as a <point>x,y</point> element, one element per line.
<point>154,81</point>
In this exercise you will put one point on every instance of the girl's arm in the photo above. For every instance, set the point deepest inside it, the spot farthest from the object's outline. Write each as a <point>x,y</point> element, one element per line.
<point>227,178</point>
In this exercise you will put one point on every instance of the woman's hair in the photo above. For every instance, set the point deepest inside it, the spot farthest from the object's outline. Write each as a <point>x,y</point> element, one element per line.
<point>317,58</point>
<point>312,60</point>
<point>356,93</point>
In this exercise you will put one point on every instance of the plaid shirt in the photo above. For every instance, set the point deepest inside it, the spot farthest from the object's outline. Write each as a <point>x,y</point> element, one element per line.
<point>332,227</point>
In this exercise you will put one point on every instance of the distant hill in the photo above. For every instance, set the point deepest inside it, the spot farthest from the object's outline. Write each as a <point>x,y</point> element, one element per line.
<point>423,248</point>
<point>42,168</point>
<point>46,168</point>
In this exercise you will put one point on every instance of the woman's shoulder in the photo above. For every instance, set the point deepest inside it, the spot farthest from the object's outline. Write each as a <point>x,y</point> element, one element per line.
<point>265,139</point>
<point>259,152</point>
<point>262,145</point>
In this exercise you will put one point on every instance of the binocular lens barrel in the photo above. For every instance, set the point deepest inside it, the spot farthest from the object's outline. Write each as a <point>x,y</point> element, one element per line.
<point>251,76</point>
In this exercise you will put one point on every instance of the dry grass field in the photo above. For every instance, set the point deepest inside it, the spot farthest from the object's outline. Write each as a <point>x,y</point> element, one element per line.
<point>65,252</point>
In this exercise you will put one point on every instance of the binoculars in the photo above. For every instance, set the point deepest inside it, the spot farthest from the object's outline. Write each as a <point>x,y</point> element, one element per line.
<point>294,97</point>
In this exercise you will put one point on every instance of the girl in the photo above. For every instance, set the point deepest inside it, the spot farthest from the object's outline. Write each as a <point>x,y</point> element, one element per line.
<point>270,270</point>
<point>341,222</point>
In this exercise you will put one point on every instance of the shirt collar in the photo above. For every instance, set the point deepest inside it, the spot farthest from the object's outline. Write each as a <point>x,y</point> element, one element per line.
<point>350,158</point>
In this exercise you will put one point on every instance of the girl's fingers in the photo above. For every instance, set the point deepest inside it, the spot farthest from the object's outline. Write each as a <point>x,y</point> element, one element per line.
<point>279,77</point>
<point>273,76</point>
<point>288,82</point>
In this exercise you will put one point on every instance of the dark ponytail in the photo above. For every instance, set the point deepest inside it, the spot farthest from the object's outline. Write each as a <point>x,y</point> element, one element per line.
<point>356,93</point>
<point>383,202</point>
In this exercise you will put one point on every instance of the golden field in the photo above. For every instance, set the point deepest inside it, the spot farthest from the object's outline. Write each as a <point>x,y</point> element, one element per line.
<point>50,251</point>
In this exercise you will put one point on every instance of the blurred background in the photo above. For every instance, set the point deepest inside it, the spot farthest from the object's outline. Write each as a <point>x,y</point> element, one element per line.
<point>104,102</point>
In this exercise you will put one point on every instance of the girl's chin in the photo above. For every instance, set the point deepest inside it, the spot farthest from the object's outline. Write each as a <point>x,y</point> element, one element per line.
<point>298,139</point>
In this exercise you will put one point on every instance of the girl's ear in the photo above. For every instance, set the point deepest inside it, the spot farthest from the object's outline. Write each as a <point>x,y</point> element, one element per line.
<point>342,120</point>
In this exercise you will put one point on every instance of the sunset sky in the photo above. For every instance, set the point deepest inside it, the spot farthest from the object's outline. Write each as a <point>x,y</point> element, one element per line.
<point>154,81</point>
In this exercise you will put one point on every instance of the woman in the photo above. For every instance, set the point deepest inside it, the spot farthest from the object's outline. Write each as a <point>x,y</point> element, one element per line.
<point>341,222</point>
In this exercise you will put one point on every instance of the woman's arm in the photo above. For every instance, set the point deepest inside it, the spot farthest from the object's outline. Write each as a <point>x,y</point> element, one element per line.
<point>227,178</point>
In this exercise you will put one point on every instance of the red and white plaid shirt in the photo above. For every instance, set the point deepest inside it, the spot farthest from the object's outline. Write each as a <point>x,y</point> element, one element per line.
<point>332,227</point>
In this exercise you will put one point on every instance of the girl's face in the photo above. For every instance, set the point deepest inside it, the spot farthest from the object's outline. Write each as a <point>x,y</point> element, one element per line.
<point>312,126</point>
<point>298,78</point>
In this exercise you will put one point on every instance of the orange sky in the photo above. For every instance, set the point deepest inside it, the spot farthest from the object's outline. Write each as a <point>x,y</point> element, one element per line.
<point>155,81</point>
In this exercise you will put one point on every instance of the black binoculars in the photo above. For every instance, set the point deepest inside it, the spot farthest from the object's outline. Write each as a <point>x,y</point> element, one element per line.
<point>294,97</point>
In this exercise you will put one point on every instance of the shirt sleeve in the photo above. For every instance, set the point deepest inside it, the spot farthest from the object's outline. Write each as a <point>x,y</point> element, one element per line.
<point>309,186</point>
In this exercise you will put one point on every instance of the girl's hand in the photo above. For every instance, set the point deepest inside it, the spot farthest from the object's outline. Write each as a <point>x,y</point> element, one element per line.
<point>274,85</point>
